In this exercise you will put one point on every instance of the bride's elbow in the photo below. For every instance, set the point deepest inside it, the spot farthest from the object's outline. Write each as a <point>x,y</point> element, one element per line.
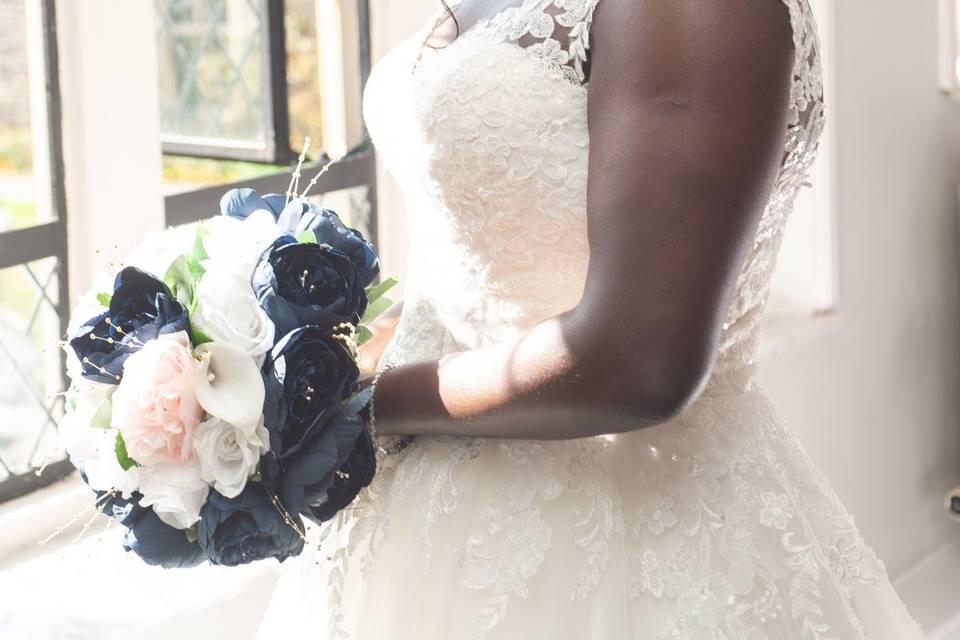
<point>648,393</point>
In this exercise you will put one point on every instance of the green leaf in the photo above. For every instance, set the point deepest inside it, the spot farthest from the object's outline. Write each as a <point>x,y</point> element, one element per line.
<point>199,251</point>
<point>307,236</point>
<point>104,298</point>
<point>376,290</point>
<point>199,337</point>
<point>363,334</point>
<point>101,419</point>
<point>72,397</point>
<point>120,448</point>
<point>182,278</point>
<point>191,534</point>
<point>375,308</point>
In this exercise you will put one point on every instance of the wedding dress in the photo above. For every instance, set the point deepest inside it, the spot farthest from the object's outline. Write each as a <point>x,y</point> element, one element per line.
<point>715,525</point>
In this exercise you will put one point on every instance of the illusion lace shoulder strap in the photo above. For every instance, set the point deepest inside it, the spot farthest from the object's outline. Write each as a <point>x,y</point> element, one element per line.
<point>558,32</point>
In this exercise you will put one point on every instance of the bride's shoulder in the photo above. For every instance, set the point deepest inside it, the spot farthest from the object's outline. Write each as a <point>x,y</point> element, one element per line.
<point>646,35</point>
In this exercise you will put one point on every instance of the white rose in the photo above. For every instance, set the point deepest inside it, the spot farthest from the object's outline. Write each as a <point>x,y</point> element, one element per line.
<point>84,434</point>
<point>160,248</point>
<point>175,490</point>
<point>104,472</point>
<point>88,305</point>
<point>228,456</point>
<point>236,245</point>
<point>78,436</point>
<point>228,311</point>
<point>93,450</point>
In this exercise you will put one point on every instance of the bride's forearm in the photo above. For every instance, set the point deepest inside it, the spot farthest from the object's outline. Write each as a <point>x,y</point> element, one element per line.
<point>544,384</point>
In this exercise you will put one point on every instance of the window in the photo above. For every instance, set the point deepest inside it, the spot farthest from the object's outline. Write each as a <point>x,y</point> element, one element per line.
<point>950,46</point>
<point>32,248</point>
<point>249,80</point>
<point>217,82</point>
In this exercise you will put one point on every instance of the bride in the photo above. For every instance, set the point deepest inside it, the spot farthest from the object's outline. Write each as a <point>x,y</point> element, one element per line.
<point>597,191</point>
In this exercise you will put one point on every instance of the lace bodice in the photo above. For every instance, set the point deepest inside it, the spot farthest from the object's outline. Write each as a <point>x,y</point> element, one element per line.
<point>494,169</point>
<point>715,525</point>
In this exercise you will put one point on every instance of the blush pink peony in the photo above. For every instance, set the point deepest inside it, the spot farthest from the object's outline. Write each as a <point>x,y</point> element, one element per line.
<point>155,406</point>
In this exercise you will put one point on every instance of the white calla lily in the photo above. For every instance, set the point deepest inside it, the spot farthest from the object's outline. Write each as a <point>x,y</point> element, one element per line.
<point>229,385</point>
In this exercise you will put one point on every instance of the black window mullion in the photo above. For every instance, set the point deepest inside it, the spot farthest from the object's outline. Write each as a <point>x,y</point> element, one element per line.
<point>277,81</point>
<point>22,246</point>
<point>357,169</point>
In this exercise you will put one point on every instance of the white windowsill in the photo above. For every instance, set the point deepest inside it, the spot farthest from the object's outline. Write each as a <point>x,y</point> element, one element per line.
<point>930,592</point>
<point>781,331</point>
<point>58,590</point>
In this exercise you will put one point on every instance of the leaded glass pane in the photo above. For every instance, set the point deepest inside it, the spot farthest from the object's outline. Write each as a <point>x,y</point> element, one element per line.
<point>24,183</point>
<point>30,366</point>
<point>213,61</point>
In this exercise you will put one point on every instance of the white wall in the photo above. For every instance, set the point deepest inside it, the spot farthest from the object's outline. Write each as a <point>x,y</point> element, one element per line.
<point>111,128</point>
<point>875,398</point>
<point>391,23</point>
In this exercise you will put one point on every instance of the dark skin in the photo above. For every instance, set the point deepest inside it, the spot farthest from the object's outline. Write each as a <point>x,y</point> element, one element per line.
<point>687,104</point>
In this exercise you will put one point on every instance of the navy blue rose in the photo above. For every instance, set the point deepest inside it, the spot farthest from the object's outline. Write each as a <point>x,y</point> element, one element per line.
<point>141,308</point>
<point>240,203</point>
<point>306,375</point>
<point>333,463</point>
<point>250,527</point>
<point>355,473</point>
<point>154,541</point>
<point>300,216</point>
<point>299,284</point>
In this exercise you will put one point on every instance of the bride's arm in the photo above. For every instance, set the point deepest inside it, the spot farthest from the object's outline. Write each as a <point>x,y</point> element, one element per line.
<point>688,106</point>
<point>383,328</point>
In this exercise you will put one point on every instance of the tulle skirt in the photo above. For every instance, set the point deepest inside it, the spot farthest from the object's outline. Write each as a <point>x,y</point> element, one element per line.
<point>715,525</point>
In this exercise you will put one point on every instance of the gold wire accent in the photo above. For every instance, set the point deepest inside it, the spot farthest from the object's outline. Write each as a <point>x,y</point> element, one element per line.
<point>293,189</point>
<point>322,171</point>
<point>134,340</point>
<point>96,505</point>
<point>87,362</point>
<point>295,177</point>
<point>287,519</point>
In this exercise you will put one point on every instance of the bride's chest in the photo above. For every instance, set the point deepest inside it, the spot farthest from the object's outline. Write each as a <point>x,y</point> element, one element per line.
<point>478,116</point>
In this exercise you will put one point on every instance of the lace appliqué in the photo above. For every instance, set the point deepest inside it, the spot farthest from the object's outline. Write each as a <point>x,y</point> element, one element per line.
<point>555,32</point>
<point>514,528</point>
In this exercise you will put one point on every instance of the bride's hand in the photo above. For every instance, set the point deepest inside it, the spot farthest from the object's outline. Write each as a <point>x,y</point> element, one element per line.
<point>383,328</point>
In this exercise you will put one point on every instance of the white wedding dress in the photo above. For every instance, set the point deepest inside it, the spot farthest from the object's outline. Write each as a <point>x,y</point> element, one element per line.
<point>716,525</point>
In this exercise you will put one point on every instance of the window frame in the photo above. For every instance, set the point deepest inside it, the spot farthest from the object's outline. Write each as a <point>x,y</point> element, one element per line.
<point>276,149</point>
<point>22,246</point>
<point>356,169</point>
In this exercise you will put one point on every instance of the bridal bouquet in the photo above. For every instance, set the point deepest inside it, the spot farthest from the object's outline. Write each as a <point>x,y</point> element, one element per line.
<point>213,401</point>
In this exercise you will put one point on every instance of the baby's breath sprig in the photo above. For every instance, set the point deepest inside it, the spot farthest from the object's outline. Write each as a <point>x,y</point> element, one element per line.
<point>295,177</point>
